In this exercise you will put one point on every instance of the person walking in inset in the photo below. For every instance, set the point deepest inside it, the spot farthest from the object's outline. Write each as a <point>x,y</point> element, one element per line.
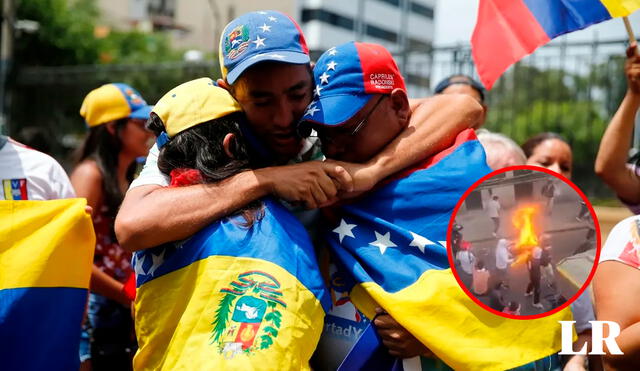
<point>494,213</point>
<point>503,261</point>
<point>533,288</point>
<point>549,191</point>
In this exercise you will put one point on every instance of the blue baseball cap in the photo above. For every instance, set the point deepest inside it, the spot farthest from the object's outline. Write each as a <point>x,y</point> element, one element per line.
<point>257,37</point>
<point>347,77</point>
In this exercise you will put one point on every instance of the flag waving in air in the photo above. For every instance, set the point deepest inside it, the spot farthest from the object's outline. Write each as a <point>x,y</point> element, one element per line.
<point>508,30</point>
<point>392,243</point>
<point>46,255</point>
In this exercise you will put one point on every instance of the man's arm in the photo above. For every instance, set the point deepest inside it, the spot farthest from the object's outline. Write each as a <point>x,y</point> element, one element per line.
<point>434,124</point>
<point>152,214</point>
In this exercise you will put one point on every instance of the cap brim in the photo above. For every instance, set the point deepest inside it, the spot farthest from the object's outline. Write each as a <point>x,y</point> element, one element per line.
<point>273,56</point>
<point>335,110</point>
<point>141,113</point>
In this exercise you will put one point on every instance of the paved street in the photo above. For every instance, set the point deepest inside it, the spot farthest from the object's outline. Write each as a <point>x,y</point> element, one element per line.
<point>568,237</point>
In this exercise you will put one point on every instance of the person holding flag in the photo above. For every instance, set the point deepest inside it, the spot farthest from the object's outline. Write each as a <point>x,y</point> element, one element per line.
<point>390,241</point>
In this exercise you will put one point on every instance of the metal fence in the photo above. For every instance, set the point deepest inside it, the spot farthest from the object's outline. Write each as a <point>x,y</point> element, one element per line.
<point>572,89</point>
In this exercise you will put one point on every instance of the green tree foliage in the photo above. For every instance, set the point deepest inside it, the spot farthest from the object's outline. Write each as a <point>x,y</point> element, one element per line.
<point>65,36</point>
<point>529,100</point>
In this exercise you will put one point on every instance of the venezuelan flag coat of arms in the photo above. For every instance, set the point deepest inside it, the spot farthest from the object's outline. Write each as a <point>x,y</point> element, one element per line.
<point>231,297</point>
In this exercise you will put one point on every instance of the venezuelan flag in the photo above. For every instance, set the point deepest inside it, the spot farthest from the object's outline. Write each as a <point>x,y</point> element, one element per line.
<point>507,30</point>
<point>46,254</point>
<point>231,298</point>
<point>393,244</point>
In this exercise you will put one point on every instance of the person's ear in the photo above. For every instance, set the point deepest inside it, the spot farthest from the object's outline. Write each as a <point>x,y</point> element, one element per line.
<point>400,104</point>
<point>223,84</point>
<point>111,127</point>
<point>229,144</point>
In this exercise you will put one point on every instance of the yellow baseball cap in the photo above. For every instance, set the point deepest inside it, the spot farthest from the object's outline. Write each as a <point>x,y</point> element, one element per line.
<point>113,102</point>
<point>193,103</point>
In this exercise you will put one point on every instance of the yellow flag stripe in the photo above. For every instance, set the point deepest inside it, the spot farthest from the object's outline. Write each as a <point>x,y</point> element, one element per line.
<point>42,241</point>
<point>6,184</point>
<point>175,314</point>
<point>621,8</point>
<point>460,332</point>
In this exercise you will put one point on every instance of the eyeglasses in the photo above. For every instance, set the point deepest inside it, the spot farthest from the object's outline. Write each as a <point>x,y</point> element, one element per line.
<point>318,132</point>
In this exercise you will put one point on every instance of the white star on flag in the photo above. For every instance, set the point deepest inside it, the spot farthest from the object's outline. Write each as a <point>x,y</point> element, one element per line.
<point>331,65</point>
<point>420,242</point>
<point>235,42</point>
<point>157,262</point>
<point>344,229</point>
<point>310,112</point>
<point>265,28</point>
<point>318,88</point>
<point>324,78</point>
<point>138,266</point>
<point>262,12</point>
<point>273,19</point>
<point>332,51</point>
<point>383,241</point>
<point>259,41</point>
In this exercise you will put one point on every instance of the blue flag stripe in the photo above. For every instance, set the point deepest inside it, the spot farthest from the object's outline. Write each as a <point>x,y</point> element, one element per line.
<point>278,238</point>
<point>39,322</point>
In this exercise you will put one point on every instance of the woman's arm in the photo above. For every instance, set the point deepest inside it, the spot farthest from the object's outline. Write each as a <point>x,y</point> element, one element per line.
<point>87,182</point>
<point>611,160</point>
<point>616,288</point>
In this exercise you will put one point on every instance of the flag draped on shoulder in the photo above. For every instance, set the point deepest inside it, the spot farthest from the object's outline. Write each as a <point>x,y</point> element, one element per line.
<point>231,297</point>
<point>392,243</point>
<point>46,255</point>
<point>508,30</point>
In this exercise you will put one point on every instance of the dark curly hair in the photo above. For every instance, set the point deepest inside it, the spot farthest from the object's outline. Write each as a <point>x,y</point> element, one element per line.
<point>200,148</point>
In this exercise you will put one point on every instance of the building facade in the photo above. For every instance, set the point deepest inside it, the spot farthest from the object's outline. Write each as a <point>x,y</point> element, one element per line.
<point>405,27</point>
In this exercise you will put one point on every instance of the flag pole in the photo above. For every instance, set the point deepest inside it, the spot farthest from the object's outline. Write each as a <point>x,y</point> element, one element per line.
<point>627,25</point>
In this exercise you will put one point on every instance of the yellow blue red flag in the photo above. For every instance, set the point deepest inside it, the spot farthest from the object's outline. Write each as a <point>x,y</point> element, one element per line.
<point>46,254</point>
<point>392,243</point>
<point>231,297</point>
<point>507,30</point>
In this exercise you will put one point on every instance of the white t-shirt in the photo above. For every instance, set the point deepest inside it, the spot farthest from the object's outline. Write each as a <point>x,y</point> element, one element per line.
<point>150,173</point>
<point>467,261</point>
<point>493,208</point>
<point>502,255</point>
<point>621,246</point>
<point>26,174</point>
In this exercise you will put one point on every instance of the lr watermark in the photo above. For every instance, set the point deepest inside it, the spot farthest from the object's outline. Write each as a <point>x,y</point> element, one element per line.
<point>597,337</point>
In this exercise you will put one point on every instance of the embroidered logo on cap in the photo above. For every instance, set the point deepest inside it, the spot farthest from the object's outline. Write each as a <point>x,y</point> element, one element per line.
<point>236,42</point>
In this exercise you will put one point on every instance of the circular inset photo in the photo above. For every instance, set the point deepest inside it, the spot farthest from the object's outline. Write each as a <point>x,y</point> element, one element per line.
<point>523,242</point>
